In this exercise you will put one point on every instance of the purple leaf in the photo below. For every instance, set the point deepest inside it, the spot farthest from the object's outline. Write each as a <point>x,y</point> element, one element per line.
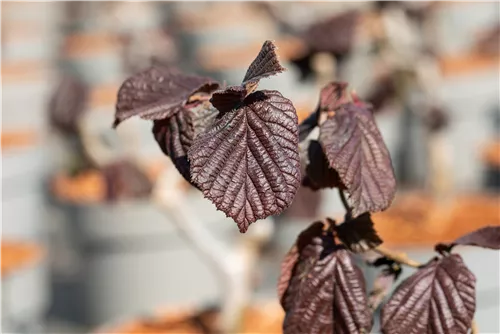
<point>438,298</point>
<point>265,64</point>
<point>326,291</point>
<point>247,162</point>
<point>486,237</point>
<point>160,93</point>
<point>333,96</point>
<point>319,174</point>
<point>358,234</point>
<point>228,99</point>
<point>176,134</point>
<point>291,258</point>
<point>68,104</point>
<point>335,34</point>
<point>354,147</point>
<point>382,91</point>
<point>124,180</point>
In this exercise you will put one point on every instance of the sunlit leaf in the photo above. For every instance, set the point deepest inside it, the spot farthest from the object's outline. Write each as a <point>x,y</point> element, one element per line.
<point>326,291</point>
<point>247,162</point>
<point>354,147</point>
<point>159,93</point>
<point>265,64</point>
<point>438,298</point>
<point>485,237</point>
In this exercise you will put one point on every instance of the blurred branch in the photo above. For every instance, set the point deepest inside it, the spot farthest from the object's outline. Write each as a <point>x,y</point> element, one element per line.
<point>233,268</point>
<point>397,256</point>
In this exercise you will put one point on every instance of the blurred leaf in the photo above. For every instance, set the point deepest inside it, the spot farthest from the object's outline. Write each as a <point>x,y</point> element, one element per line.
<point>125,180</point>
<point>68,104</point>
<point>333,96</point>
<point>438,298</point>
<point>335,34</point>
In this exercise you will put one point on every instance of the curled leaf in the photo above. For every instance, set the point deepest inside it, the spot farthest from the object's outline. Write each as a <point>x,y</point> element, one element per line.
<point>159,93</point>
<point>438,298</point>
<point>355,148</point>
<point>228,99</point>
<point>247,162</point>
<point>265,64</point>
<point>485,237</point>
<point>319,174</point>
<point>176,134</point>
<point>326,290</point>
<point>67,104</point>
<point>332,96</point>
<point>358,234</point>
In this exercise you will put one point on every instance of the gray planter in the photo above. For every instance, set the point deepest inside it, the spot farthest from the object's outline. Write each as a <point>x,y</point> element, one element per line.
<point>128,258</point>
<point>25,299</point>
<point>22,193</point>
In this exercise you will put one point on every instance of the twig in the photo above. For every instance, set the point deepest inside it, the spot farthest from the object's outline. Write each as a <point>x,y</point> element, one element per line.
<point>229,265</point>
<point>346,204</point>
<point>474,329</point>
<point>397,256</point>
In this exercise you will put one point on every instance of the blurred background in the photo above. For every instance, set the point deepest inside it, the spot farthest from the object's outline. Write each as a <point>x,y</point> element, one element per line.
<point>85,248</point>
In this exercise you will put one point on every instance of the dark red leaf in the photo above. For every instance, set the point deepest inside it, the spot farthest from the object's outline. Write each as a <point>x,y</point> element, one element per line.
<point>159,93</point>
<point>125,180</point>
<point>247,162</point>
<point>176,134</point>
<point>326,291</point>
<point>383,282</point>
<point>265,64</point>
<point>68,104</point>
<point>335,34</point>
<point>291,258</point>
<point>228,99</point>
<point>319,174</point>
<point>358,234</point>
<point>305,205</point>
<point>486,237</point>
<point>438,298</point>
<point>332,96</point>
<point>382,91</point>
<point>436,119</point>
<point>354,147</point>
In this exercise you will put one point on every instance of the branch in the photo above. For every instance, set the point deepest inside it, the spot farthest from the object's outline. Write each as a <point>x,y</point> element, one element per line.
<point>397,256</point>
<point>346,204</point>
<point>231,266</point>
<point>474,328</point>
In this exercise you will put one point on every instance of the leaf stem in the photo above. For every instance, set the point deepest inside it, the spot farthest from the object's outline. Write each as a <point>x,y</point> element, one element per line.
<point>397,256</point>
<point>474,328</point>
<point>346,204</point>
